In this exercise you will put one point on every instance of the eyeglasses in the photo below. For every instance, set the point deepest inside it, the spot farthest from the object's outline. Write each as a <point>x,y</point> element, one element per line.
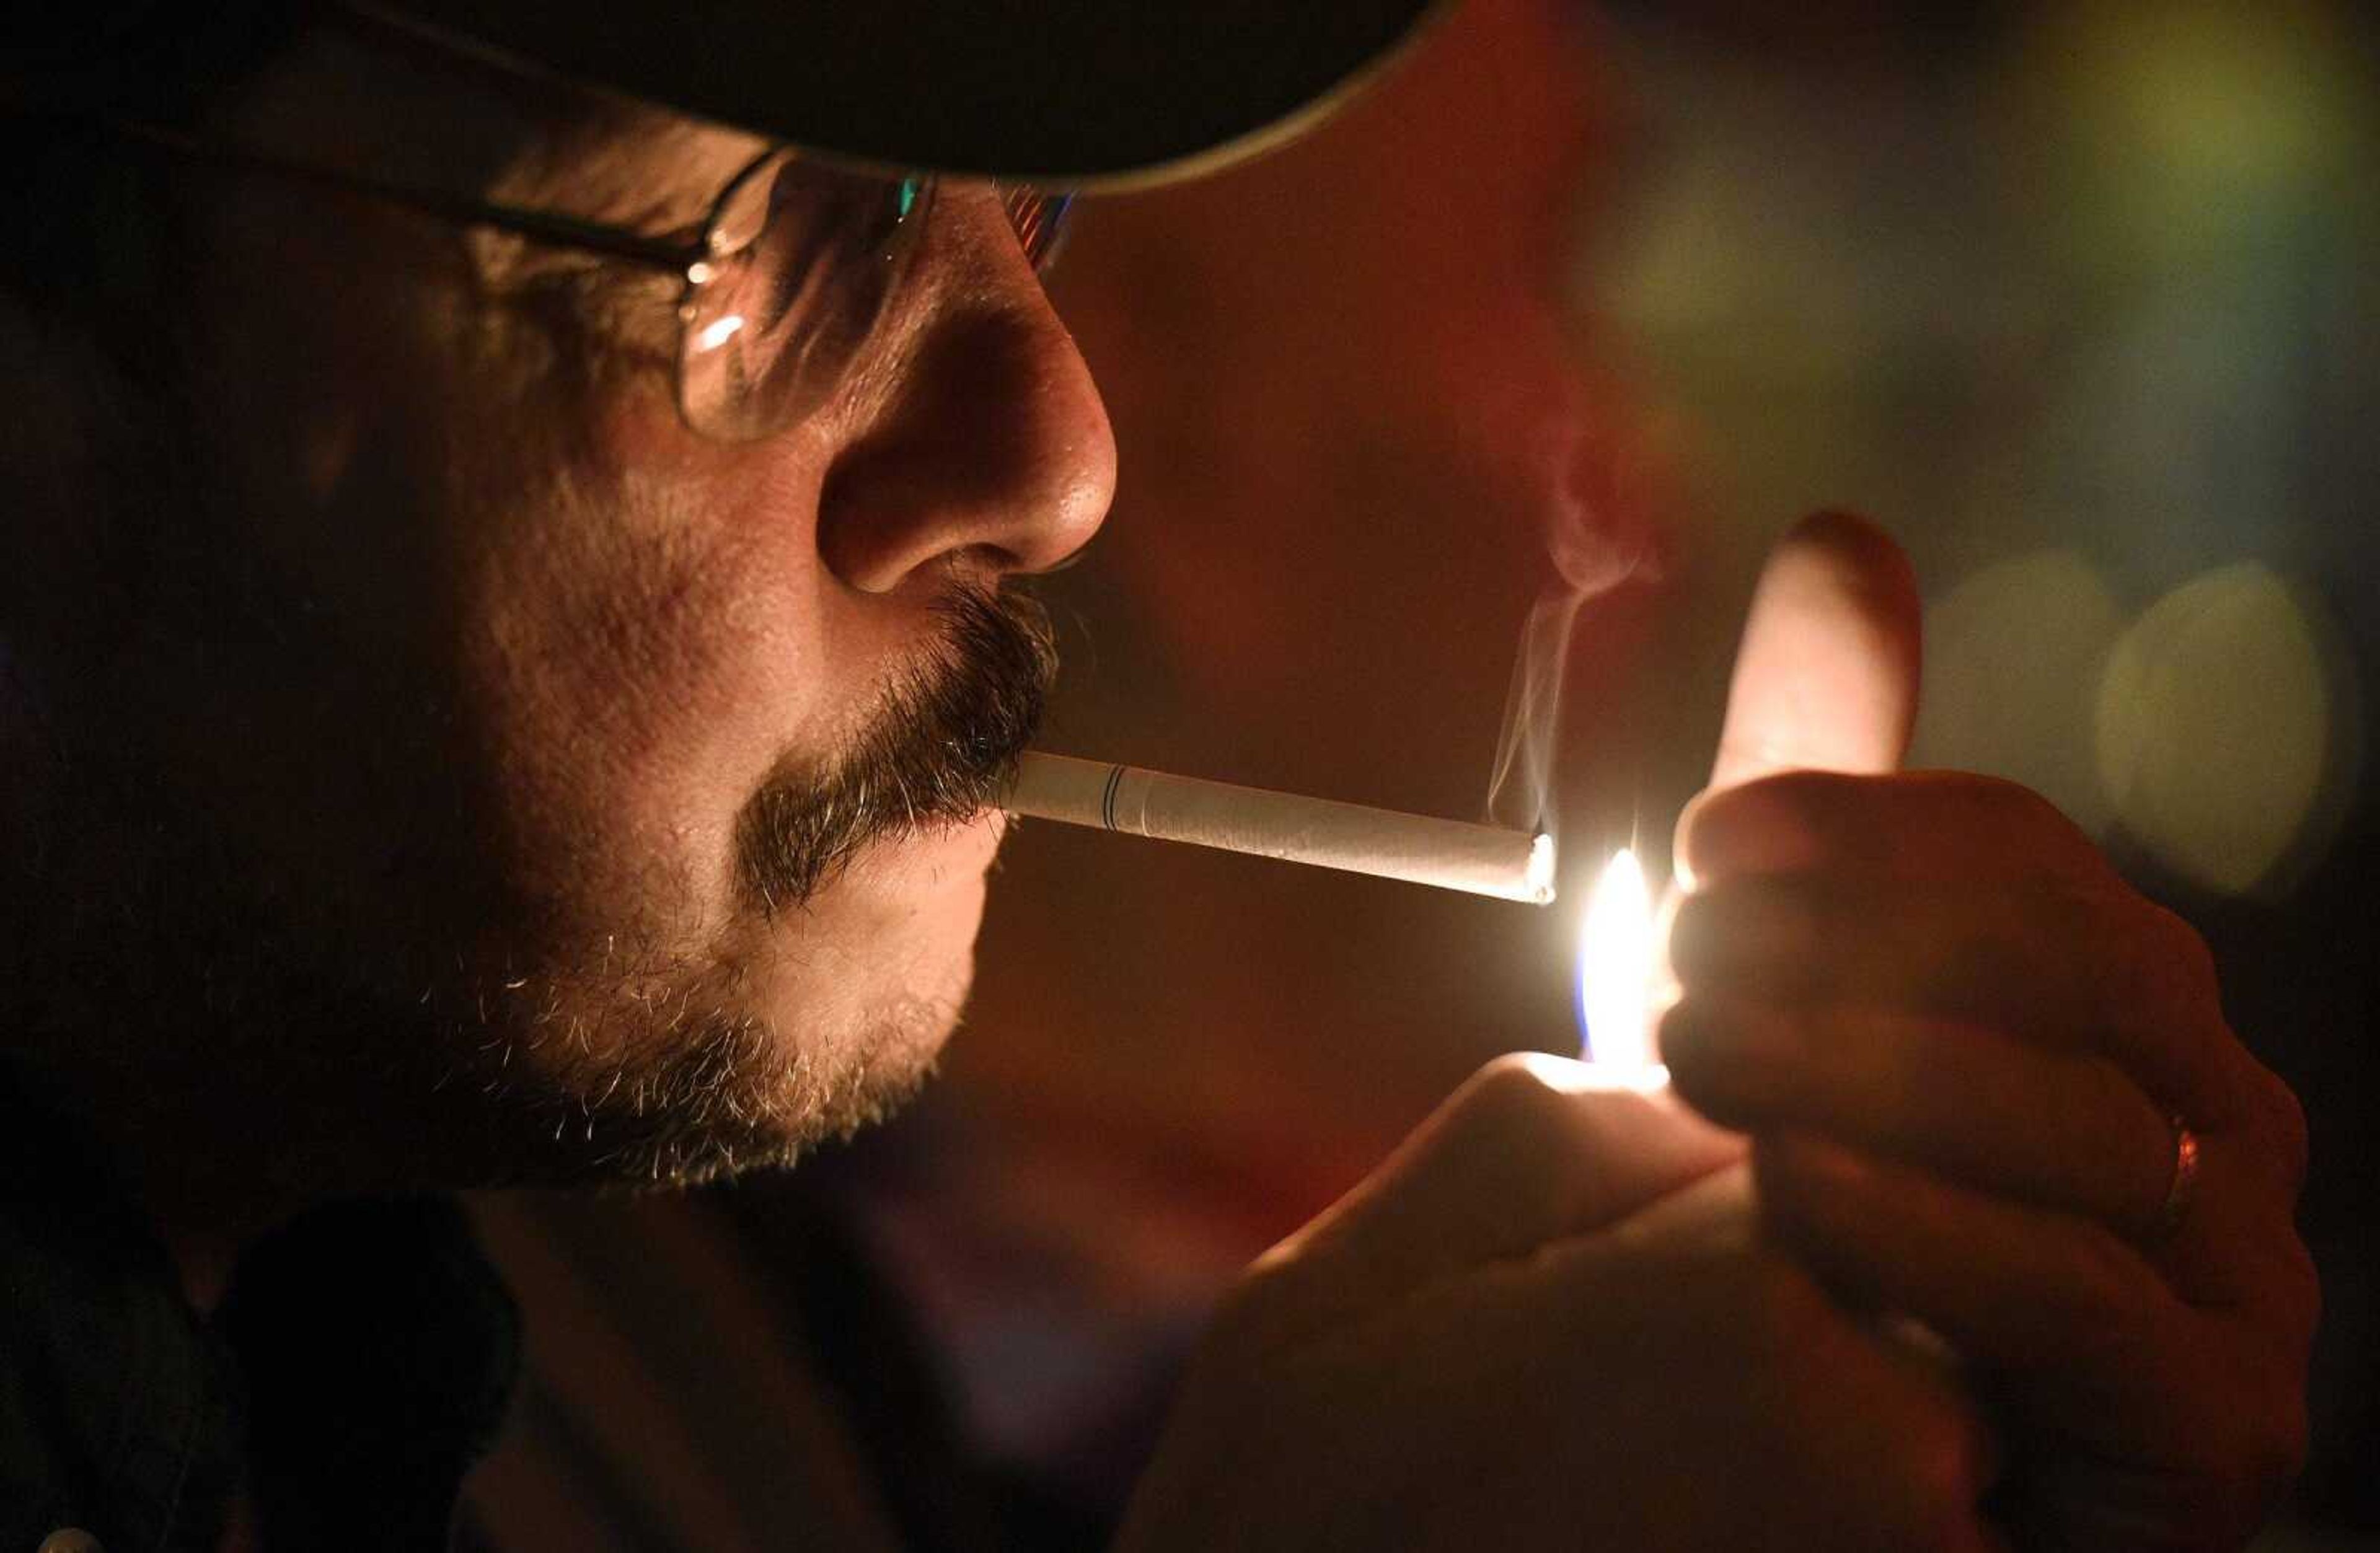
<point>784,281</point>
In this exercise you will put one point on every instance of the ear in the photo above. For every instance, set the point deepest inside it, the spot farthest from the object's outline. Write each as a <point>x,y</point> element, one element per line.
<point>1825,674</point>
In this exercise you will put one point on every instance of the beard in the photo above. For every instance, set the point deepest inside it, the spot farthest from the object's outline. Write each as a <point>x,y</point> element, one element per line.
<point>696,1088</point>
<point>257,915</point>
<point>168,977</point>
<point>942,748</point>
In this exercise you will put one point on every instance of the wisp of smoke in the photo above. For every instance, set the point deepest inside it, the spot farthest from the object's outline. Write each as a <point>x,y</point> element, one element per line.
<point>1590,556</point>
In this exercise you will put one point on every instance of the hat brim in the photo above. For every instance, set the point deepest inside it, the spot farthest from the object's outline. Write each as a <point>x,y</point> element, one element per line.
<point>1083,93</point>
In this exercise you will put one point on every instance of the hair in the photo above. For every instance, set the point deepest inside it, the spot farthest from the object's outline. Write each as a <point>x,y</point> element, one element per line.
<point>943,745</point>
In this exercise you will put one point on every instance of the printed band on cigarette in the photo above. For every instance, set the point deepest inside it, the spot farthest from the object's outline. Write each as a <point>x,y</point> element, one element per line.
<point>1448,854</point>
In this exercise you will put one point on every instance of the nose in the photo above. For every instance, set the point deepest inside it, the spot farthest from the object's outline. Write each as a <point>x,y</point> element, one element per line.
<point>989,440</point>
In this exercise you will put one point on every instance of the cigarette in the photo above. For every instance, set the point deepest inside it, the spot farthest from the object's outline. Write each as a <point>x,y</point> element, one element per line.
<point>1447,854</point>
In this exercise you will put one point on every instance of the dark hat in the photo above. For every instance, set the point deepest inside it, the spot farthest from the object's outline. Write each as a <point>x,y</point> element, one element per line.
<point>1063,91</point>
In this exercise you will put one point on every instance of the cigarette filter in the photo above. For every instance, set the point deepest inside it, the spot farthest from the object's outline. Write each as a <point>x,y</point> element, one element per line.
<point>1448,854</point>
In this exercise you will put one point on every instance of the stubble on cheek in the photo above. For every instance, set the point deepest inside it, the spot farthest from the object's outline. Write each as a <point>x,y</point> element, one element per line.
<point>682,1023</point>
<point>510,861</point>
<point>693,940</point>
<point>798,1032</point>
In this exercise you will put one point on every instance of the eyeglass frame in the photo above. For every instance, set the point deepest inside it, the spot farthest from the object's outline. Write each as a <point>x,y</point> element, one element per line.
<point>687,258</point>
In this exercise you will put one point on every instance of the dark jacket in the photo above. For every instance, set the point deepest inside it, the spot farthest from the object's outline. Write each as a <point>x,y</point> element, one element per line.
<point>358,1364</point>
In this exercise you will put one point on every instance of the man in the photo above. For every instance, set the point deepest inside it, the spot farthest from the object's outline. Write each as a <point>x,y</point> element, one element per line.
<point>498,694</point>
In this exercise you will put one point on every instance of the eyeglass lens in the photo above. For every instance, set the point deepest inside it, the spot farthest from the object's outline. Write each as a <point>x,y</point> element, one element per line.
<point>1041,223</point>
<point>801,258</point>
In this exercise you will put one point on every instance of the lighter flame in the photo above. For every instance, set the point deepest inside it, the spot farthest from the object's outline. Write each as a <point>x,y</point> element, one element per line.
<point>1616,966</point>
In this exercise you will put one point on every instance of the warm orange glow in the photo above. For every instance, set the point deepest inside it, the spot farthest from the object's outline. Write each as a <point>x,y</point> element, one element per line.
<point>1615,961</point>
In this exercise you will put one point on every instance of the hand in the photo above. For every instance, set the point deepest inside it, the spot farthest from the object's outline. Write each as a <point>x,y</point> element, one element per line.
<point>1549,1323</point>
<point>1958,1038</point>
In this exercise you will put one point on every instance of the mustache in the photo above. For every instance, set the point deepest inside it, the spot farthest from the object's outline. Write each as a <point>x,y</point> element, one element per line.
<point>943,747</point>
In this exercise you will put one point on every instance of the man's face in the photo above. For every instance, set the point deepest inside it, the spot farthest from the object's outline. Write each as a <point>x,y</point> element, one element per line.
<point>630,779</point>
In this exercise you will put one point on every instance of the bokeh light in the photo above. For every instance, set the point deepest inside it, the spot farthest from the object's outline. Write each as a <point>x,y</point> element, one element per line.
<point>2220,727</point>
<point>2013,655</point>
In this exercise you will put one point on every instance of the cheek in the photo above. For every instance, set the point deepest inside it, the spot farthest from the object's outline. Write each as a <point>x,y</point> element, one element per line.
<point>649,652</point>
<point>640,657</point>
<point>560,644</point>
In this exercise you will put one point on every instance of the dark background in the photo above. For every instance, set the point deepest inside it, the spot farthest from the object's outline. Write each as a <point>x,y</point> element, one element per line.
<point>2077,299</point>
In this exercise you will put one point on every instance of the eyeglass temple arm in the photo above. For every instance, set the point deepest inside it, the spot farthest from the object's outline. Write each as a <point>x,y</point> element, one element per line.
<point>668,255</point>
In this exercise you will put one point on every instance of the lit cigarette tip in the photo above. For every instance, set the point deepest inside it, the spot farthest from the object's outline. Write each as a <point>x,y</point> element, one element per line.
<point>1538,880</point>
<point>1445,853</point>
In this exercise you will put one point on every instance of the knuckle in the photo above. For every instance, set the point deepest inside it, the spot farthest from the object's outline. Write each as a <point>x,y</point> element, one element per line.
<point>2181,954</point>
<point>2056,826</point>
<point>2259,1125</point>
<point>2072,912</point>
<point>2153,961</point>
<point>2026,812</point>
<point>2018,800</point>
<point>1767,824</point>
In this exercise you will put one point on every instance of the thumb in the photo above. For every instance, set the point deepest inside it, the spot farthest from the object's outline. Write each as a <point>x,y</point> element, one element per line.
<point>1533,1149</point>
<point>1825,673</point>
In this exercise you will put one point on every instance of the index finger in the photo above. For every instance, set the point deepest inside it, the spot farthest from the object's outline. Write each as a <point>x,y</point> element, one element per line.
<point>1913,826</point>
<point>2096,971</point>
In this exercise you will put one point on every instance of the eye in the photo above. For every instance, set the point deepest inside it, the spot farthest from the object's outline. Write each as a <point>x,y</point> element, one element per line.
<point>801,259</point>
